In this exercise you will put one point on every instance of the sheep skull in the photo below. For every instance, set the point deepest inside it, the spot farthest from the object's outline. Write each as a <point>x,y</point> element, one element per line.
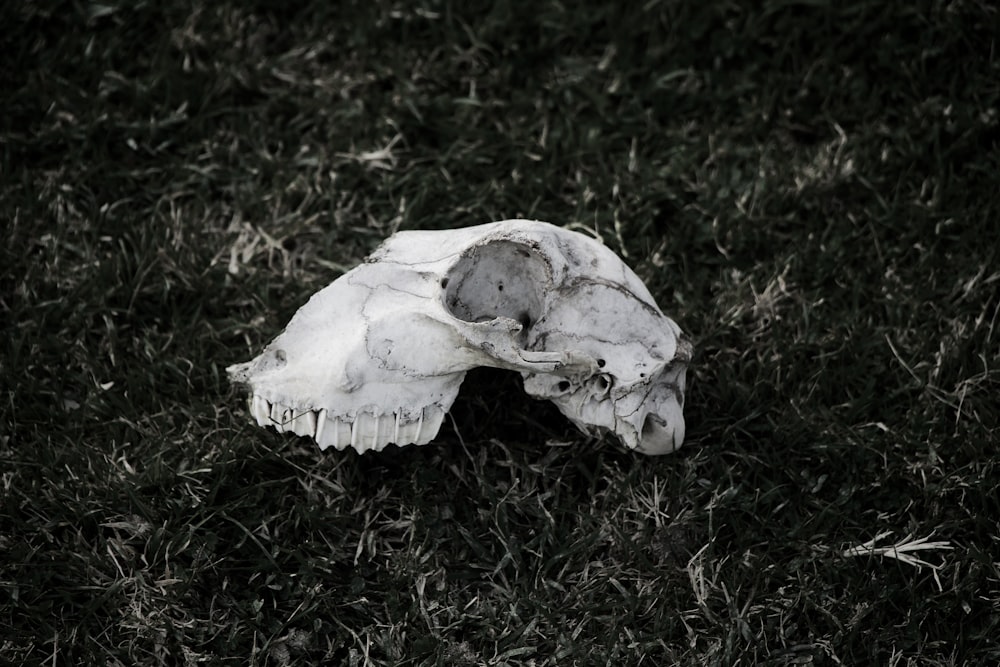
<point>378,356</point>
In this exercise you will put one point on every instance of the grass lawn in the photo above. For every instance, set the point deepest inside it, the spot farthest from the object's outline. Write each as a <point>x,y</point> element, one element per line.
<point>809,188</point>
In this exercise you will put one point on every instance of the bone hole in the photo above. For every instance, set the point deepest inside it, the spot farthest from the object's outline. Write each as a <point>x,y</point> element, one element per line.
<point>563,385</point>
<point>498,279</point>
<point>272,361</point>
<point>650,425</point>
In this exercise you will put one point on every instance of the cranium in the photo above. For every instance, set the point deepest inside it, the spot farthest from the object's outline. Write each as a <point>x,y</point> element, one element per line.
<point>378,356</point>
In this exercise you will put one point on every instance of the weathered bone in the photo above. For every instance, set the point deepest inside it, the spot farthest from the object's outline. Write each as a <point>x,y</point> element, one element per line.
<point>378,356</point>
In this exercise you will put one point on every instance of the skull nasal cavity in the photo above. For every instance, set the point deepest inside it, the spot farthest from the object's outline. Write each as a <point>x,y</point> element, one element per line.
<point>498,279</point>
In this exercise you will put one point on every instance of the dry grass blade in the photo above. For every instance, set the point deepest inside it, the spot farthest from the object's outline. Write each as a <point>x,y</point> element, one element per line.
<point>902,550</point>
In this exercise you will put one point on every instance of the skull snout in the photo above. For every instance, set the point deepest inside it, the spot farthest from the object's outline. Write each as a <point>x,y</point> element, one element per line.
<point>650,418</point>
<point>662,432</point>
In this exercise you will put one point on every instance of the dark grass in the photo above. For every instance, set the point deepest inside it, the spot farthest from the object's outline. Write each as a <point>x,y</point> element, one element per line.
<point>809,188</point>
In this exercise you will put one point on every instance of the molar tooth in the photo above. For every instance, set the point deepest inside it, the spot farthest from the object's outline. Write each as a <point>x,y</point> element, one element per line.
<point>330,431</point>
<point>285,418</point>
<point>260,409</point>
<point>355,431</point>
<point>304,423</point>
<point>333,433</point>
<point>275,416</point>
<point>432,417</point>
<point>365,433</point>
<point>386,430</point>
<point>358,430</point>
<point>406,428</point>
<point>342,433</point>
<point>320,425</point>
<point>419,429</point>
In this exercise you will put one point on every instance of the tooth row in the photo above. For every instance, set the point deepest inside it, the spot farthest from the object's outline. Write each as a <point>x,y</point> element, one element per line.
<point>366,430</point>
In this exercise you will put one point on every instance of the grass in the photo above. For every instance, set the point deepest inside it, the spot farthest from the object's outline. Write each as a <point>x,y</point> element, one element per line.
<point>809,188</point>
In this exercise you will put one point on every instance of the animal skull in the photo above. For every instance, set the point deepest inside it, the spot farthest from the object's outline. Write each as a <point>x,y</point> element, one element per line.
<point>377,356</point>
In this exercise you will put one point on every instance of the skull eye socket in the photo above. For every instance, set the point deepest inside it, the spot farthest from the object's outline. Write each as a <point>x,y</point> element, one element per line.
<point>498,279</point>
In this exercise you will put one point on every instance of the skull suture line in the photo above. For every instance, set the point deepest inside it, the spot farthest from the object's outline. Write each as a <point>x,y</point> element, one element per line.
<point>377,357</point>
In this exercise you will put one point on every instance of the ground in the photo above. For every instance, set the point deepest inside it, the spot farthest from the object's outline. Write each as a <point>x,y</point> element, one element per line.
<point>808,188</point>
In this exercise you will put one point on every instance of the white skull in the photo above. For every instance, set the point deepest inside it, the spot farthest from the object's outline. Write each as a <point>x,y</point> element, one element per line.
<point>377,356</point>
